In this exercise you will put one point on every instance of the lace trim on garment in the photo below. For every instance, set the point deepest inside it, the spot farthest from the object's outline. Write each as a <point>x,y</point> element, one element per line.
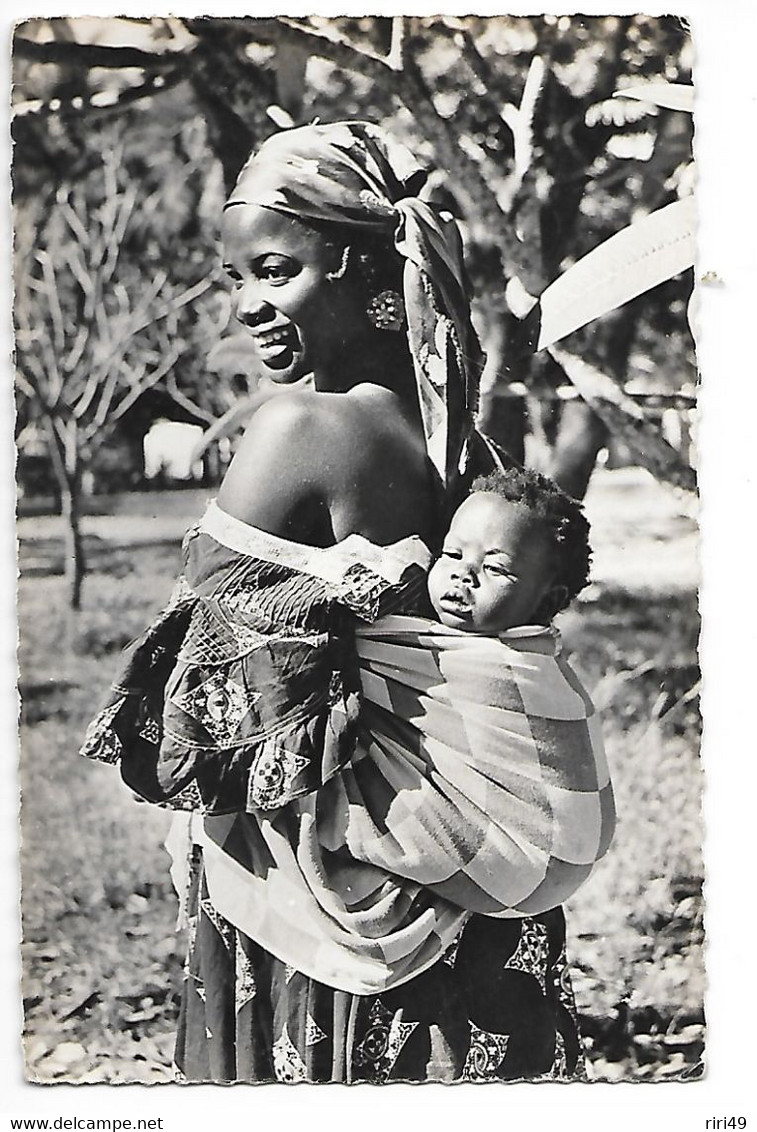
<point>331,564</point>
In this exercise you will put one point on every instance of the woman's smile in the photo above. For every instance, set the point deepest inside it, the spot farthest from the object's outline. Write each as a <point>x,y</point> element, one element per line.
<point>273,345</point>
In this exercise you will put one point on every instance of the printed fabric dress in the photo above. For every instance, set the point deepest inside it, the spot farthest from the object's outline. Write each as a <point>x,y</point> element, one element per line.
<point>185,724</point>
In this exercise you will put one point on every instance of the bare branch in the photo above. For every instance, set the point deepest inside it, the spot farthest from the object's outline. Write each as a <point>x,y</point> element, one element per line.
<point>70,215</point>
<point>140,317</point>
<point>107,390</point>
<point>53,302</point>
<point>97,435</point>
<point>86,55</point>
<point>187,402</point>
<point>80,274</point>
<point>50,377</point>
<point>28,388</point>
<point>188,296</point>
<point>396,57</point>
<point>116,237</point>
<point>75,354</point>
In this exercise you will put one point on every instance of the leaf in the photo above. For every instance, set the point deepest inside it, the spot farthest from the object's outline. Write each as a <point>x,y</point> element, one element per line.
<point>673,96</point>
<point>146,1015</point>
<point>80,1006</point>
<point>626,420</point>
<point>632,261</point>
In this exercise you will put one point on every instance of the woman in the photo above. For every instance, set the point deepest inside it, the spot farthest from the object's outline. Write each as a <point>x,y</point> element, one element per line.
<point>339,269</point>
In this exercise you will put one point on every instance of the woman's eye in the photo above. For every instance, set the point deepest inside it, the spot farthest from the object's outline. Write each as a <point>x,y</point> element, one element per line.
<point>450,552</point>
<point>273,273</point>
<point>232,275</point>
<point>277,270</point>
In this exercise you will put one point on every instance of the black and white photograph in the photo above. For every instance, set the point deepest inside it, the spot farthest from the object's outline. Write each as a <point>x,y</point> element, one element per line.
<point>358,435</point>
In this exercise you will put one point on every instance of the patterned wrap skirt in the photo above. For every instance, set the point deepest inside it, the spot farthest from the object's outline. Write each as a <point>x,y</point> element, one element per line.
<point>497,1007</point>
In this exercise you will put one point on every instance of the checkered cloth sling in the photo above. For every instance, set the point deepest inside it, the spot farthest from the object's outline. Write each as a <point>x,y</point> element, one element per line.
<point>354,803</point>
<point>501,791</point>
<point>479,784</point>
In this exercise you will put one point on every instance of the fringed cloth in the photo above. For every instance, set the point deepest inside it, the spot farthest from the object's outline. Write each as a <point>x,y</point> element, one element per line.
<point>364,792</point>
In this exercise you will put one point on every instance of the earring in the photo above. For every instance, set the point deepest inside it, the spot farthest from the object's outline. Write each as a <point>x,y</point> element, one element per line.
<point>341,270</point>
<point>386,311</point>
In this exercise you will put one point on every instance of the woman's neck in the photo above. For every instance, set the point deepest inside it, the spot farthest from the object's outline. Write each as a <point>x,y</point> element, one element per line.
<point>377,358</point>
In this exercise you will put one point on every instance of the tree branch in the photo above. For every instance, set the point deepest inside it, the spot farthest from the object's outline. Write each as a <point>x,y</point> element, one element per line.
<point>626,419</point>
<point>97,435</point>
<point>396,56</point>
<point>53,302</point>
<point>326,43</point>
<point>85,55</point>
<point>187,402</point>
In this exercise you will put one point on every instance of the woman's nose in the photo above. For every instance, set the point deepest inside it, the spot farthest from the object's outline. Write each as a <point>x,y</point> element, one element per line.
<point>252,307</point>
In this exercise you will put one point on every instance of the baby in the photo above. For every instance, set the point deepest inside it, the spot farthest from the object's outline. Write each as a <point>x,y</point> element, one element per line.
<point>516,553</point>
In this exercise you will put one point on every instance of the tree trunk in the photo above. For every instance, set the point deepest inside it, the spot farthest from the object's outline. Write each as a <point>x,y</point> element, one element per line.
<point>67,464</point>
<point>503,419</point>
<point>502,413</point>
<point>75,563</point>
<point>580,436</point>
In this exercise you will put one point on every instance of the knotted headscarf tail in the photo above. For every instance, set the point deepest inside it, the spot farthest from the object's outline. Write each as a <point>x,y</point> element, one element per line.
<point>352,174</point>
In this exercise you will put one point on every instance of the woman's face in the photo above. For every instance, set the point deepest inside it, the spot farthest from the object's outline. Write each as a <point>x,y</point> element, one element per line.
<point>300,320</point>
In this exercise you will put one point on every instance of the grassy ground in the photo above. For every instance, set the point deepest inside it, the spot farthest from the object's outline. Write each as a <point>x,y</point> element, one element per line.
<point>102,962</point>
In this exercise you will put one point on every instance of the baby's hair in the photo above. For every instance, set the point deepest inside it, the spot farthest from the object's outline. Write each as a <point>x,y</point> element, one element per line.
<point>563,517</point>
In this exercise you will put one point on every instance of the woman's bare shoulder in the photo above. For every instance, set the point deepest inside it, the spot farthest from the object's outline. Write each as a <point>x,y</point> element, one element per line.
<point>315,418</point>
<point>274,467</point>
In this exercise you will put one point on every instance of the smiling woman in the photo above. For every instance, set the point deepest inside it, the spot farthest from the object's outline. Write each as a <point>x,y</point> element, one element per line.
<point>304,293</point>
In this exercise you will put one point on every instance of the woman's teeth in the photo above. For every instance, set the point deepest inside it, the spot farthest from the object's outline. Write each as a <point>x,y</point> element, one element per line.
<point>273,344</point>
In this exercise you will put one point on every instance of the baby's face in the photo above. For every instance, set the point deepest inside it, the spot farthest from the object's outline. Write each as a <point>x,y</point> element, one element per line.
<point>495,569</point>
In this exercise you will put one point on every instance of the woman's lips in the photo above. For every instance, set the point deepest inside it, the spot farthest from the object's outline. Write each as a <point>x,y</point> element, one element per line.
<point>273,343</point>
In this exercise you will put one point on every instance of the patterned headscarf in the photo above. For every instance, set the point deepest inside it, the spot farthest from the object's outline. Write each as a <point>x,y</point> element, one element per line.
<point>352,174</point>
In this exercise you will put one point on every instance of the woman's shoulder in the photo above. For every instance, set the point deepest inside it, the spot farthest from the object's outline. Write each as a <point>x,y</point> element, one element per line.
<point>297,409</point>
<point>344,422</point>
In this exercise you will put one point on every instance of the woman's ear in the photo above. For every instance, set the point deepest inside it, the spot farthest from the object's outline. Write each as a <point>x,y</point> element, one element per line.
<point>340,271</point>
